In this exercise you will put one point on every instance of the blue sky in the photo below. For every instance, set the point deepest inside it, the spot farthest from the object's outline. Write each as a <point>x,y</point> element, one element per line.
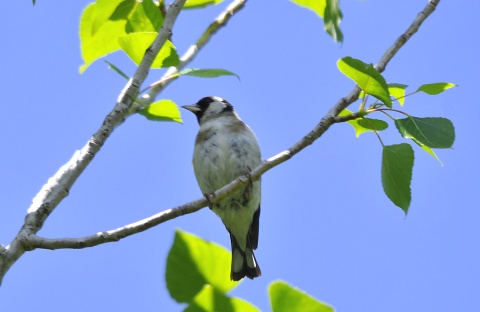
<point>326,226</point>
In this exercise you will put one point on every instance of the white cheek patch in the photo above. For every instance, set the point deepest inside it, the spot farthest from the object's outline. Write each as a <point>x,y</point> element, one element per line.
<point>214,108</point>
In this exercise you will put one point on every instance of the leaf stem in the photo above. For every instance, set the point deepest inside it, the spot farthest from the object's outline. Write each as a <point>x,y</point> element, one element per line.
<point>375,130</point>
<point>364,101</point>
<point>404,96</point>
<point>162,80</point>
<point>383,110</point>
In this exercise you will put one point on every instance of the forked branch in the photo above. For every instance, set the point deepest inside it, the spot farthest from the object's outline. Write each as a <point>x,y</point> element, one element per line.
<point>58,186</point>
<point>328,120</point>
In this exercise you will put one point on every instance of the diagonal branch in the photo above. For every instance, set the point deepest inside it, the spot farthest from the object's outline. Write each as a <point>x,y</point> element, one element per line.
<point>187,57</point>
<point>58,186</point>
<point>421,17</point>
<point>328,120</point>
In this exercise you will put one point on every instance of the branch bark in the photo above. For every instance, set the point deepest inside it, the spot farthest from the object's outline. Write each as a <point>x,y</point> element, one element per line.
<point>328,120</point>
<point>58,186</point>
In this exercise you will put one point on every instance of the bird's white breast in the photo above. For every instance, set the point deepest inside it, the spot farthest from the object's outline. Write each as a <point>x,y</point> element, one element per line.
<point>225,149</point>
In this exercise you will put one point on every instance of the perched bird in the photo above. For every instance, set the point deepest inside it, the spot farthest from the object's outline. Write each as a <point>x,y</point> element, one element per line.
<point>226,148</point>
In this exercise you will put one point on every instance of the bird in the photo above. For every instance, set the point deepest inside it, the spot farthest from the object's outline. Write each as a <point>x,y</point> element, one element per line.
<point>225,149</point>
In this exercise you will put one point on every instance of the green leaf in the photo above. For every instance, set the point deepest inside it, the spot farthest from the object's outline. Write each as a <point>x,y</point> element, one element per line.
<point>370,124</point>
<point>329,11</point>
<point>345,112</point>
<point>207,72</point>
<point>317,6</point>
<point>145,18</point>
<point>163,110</point>
<point>332,19</point>
<point>135,45</point>
<point>105,22</point>
<point>198,4</point>
<point>432,132</point>
<point>430,151</point>
<point>397,90</point>
<point>192,263</point>
<point>366,77</point>
<point>98,34</point>
<point>397,166</point>
<point>211,299</point>
<point>285,298</point>
<point>436,88</point>
<point>362,125</point>
<point>104,9</point>
<point>118,70</point>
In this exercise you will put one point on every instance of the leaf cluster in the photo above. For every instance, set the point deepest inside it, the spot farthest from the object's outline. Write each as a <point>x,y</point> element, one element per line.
<point>197,275</point>
<point>427,132</point>
<point>107,26</point>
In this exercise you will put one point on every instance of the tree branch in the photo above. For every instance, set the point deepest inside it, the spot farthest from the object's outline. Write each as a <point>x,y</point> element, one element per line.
<point>58,186</point>
<point>328,120</point>
<point>192,51</point>
<point>421,17</point>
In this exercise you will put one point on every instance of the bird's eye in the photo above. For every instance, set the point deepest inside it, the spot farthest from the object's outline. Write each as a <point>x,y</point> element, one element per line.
<point>205,102</point>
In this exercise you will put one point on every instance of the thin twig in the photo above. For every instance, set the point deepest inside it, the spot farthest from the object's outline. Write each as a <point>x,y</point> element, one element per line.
<point>421,17</point>
<point>192,51</point>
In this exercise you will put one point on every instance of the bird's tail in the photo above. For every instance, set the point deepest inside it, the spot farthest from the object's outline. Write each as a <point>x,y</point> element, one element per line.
<point>244,263</point>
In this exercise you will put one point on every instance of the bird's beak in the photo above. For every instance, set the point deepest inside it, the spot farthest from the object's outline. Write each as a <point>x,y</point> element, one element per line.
<point>193,108</point>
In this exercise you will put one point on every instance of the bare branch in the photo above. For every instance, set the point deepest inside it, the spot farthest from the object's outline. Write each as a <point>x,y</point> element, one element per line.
<point>421,17</point>
<point>142,225</point>
<point>35,241</point>
<point>58,186</point>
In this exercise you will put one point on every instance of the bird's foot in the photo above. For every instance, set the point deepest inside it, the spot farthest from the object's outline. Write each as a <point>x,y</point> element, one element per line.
<point>209,197</point>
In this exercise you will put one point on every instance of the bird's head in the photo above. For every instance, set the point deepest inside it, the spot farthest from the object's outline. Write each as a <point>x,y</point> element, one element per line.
<point>210,107</point>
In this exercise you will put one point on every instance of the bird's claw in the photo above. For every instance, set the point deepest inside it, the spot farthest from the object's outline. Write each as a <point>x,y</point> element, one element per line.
<point>209,197</point>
